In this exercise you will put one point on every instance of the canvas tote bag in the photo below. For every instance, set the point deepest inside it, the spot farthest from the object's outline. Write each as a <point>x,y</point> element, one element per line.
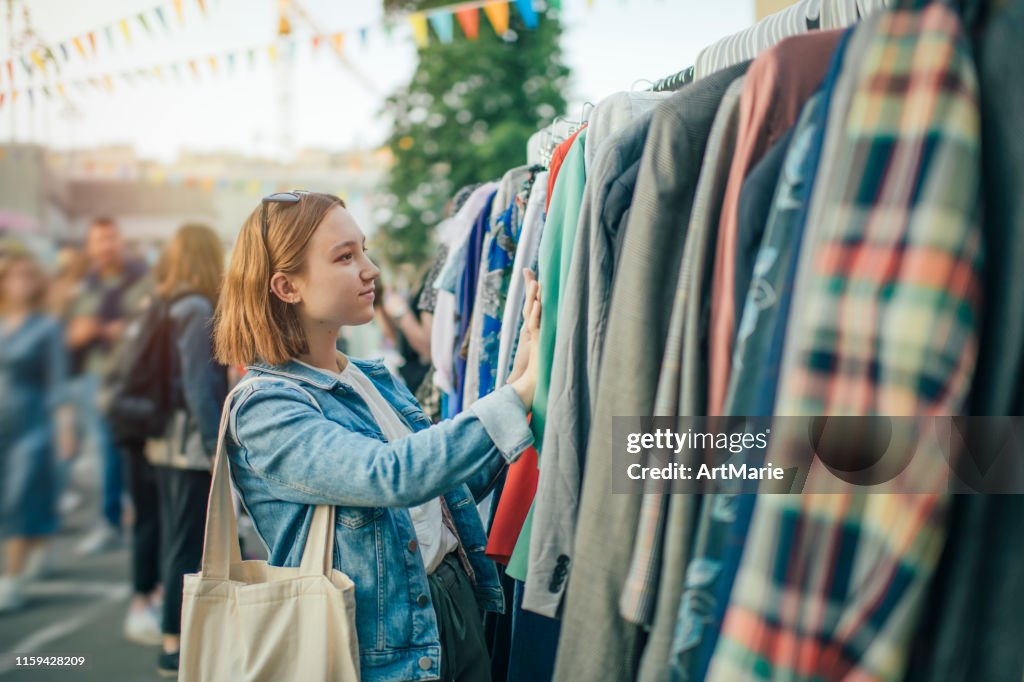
<point>248,620</point>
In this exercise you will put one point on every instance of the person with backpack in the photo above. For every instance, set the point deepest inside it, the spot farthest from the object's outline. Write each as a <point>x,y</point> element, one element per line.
<point>193,387</point>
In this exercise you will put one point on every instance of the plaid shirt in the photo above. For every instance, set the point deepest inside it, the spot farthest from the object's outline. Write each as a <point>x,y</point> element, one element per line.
<point>831,586</point>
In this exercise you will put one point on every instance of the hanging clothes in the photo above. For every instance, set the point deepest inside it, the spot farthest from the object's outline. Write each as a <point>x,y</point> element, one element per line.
<point>973,622</point>
<point>596,642</point>
<point>553,266</point>
<point>581,325</point>
<point>781,80</point>
<point>855,614</point>
<point>654,584</point>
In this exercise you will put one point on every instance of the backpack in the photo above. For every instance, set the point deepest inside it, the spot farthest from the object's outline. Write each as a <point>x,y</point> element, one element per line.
<point>140,386</point>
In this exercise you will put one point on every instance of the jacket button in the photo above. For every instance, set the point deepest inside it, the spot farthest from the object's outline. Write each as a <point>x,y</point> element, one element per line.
<point>422,601</point>
<point>425,663</point>
<point>413,545</point>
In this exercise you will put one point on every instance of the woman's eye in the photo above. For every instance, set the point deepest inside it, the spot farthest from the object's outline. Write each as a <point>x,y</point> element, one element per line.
<point>345,257</point>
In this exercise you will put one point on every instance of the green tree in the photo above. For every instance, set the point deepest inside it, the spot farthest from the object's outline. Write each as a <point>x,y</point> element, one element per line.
<point>465,117</point>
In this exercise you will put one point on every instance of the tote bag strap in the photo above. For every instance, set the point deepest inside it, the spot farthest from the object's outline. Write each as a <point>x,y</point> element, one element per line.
<point>220,545</point>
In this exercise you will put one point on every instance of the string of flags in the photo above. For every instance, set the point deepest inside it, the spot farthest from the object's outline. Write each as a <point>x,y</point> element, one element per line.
<point>439,22</point>
<point>166,16</point>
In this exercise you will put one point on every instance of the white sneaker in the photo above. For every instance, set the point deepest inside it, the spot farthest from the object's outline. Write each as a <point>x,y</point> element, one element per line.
<point>142,626</point>
<point>101,539</point>
<point>12,594</point>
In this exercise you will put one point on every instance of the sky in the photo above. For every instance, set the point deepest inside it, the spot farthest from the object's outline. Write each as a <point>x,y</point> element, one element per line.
<point>610,45</point>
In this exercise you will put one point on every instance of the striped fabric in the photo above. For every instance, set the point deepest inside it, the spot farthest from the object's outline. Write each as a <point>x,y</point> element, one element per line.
<point>885,322</point>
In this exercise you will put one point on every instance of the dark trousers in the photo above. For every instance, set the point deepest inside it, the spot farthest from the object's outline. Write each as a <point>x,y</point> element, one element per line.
<point>460,624</point>
<point>183,499</point>
<point>146,529</point>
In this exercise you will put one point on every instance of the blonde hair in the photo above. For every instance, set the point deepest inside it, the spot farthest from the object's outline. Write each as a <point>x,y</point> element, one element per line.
<point>194,261</point>
<point>23,258</point>
<point>251,322</point>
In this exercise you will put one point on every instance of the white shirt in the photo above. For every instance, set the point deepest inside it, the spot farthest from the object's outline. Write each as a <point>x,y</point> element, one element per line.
<point>434,538</point>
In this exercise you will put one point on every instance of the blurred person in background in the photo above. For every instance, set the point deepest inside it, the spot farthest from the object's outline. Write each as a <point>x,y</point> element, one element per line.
<point>35,418</point>
<point>112,287</point>
<point>65,287</point>
<point>192,269</point>
<point>408,334</point>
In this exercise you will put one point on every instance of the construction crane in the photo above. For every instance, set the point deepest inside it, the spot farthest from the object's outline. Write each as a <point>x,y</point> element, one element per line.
<point>287,12</point>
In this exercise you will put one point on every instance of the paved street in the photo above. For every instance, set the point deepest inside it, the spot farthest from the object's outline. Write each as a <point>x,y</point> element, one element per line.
<point>79,609</point>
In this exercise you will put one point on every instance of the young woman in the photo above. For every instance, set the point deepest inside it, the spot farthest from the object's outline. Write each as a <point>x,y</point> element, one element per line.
<point>35,420</point>
<point>407,529</point>
<point>192,267</point>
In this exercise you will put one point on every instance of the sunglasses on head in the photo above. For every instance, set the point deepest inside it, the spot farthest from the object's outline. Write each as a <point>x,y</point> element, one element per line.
<point>292,197</point>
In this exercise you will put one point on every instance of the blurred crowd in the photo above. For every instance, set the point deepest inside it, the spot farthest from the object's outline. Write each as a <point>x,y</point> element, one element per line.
<point>76,339</point>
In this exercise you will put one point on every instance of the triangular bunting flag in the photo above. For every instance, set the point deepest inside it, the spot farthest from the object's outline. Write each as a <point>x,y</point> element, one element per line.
<point>145,24</point>
<point>179,10</point>
<point>316,43</point>
<point>202,5</point>
<point>272,53</point>
<point>231,62</point>
<point>60,90</point>
<point>125,31</point>
<point>469,20</point>
<point>252,56</point>
<point>336,41</point>
<point>38,61</point>
<point>26,65</point>
<point>419,29</point>
<point>443,26</point>
<point>10,70</point>
<point>64,51</point>
<point>497,14</point>
<point>77,42</point>
<point>176,71</point>
<point>193,67</point>
<point>52,57</point>
<point>213,64</point>
<point>108,30</point>
<point>159,11</point>
<point>108,83</point>
<point>158,72</point>
<point>46,91</point>
<point>31,98</point>
<point>2,96</point>
<point>14,96</point>
<point>529,14</point>
<point>364,36</point>
<point>92,42</point>
<point>293,45</point>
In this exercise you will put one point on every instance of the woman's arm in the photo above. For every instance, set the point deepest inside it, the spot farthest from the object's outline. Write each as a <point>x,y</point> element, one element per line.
<point>305,458</point>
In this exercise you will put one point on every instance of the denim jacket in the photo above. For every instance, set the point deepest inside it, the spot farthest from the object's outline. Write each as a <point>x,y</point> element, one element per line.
<point>286,456</point>
<point>199,384</point>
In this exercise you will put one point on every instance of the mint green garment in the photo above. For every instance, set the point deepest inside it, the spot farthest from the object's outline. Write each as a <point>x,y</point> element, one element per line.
<point>553,262</point>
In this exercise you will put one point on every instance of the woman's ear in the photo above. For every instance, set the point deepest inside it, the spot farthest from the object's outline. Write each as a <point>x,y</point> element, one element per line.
<point>284,288</point>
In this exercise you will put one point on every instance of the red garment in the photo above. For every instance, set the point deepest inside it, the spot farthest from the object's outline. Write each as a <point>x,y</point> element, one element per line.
<point>513,506</point>
<point>557,157</point>
<point>777,84</point>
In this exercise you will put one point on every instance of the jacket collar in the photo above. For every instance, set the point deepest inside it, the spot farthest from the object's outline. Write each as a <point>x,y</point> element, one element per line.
<point>315,377</point>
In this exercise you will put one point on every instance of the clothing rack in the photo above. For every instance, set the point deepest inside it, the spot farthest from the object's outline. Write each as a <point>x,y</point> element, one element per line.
<point>674,82</point>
